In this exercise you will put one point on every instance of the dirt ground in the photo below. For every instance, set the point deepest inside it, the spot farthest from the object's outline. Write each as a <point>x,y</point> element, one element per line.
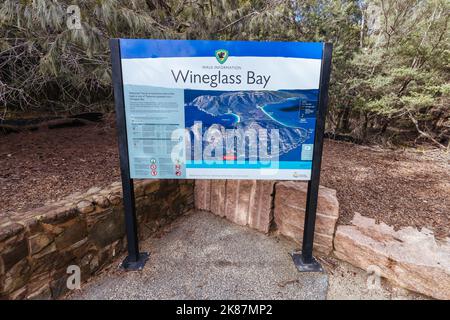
<point>42,165</point>
<point>399,187</point>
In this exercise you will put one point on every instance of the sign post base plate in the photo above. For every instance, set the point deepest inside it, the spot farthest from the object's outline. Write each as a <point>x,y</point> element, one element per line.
<point>302,266</point>
<point>138,265</point>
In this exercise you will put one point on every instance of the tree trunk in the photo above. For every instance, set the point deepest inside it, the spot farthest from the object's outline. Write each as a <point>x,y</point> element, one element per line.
<point>364,126</point>
<point>345,120</point>
<point>384,126</point>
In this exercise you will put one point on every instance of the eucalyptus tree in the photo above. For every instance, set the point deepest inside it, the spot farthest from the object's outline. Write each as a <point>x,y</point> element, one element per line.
<point>390,59</point>
<point>54,56</point>
<point>401,74</point>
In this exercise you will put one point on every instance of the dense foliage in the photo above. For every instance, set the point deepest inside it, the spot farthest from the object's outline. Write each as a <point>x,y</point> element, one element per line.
<point>390,65</point>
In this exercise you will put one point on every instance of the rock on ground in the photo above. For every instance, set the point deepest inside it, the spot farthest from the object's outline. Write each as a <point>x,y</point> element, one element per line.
<point>346,282</point>
<point>409,258</point>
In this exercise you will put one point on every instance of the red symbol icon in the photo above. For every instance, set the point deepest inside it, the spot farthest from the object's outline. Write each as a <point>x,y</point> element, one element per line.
<point>153,167</point>
<point>178,167</point>
<point>178,173</point>
<point>154,173</point>
<point>229,157</point>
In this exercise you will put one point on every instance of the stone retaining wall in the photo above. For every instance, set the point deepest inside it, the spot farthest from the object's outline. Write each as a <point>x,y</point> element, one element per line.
<point>86,230</point>
<point>269,205</point>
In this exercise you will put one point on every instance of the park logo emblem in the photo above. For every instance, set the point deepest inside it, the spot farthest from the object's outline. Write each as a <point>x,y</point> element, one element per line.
<point>222,55</point>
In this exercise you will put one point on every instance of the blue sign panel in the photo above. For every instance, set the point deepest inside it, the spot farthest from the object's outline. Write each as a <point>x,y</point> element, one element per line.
<point>220,109</point>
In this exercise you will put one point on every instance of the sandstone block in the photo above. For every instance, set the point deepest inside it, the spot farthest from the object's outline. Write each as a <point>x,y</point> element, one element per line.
<point>55,214</point>
<point>151,187</point>
<point>9,229</point>
<point>39,242</point>
<point>323,243</point>
<point>16,252</point>
<point>293,193</point>
<point>108,229</point>
<point>16,277</point>
<point>260,215</point>
<point>101,201</point>
<point>202,193</point>
<point>139,188</point>
<point>93,190</point>
<point>59,287</point>
<point>43,293</point>
<point>218,196</point>
<point>115,199</point>
<point>85,206</point>
<point>238,200</point>
<point>19,294</point>
<point>74,231</point>
<point>289,214</point>
<point>185,189</point>
<point>409,258</point>
<point>325,224</point>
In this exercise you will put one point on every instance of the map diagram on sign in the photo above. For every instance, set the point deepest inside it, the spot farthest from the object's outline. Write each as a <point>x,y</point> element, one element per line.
<point>291,112</point>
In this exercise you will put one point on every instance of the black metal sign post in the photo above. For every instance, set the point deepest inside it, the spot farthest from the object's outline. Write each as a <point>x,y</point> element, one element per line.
<point>304,261</point>
<point>135,259</point>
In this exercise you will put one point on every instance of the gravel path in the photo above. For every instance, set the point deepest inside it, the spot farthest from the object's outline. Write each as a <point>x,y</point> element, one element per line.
<point>203,256</point>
